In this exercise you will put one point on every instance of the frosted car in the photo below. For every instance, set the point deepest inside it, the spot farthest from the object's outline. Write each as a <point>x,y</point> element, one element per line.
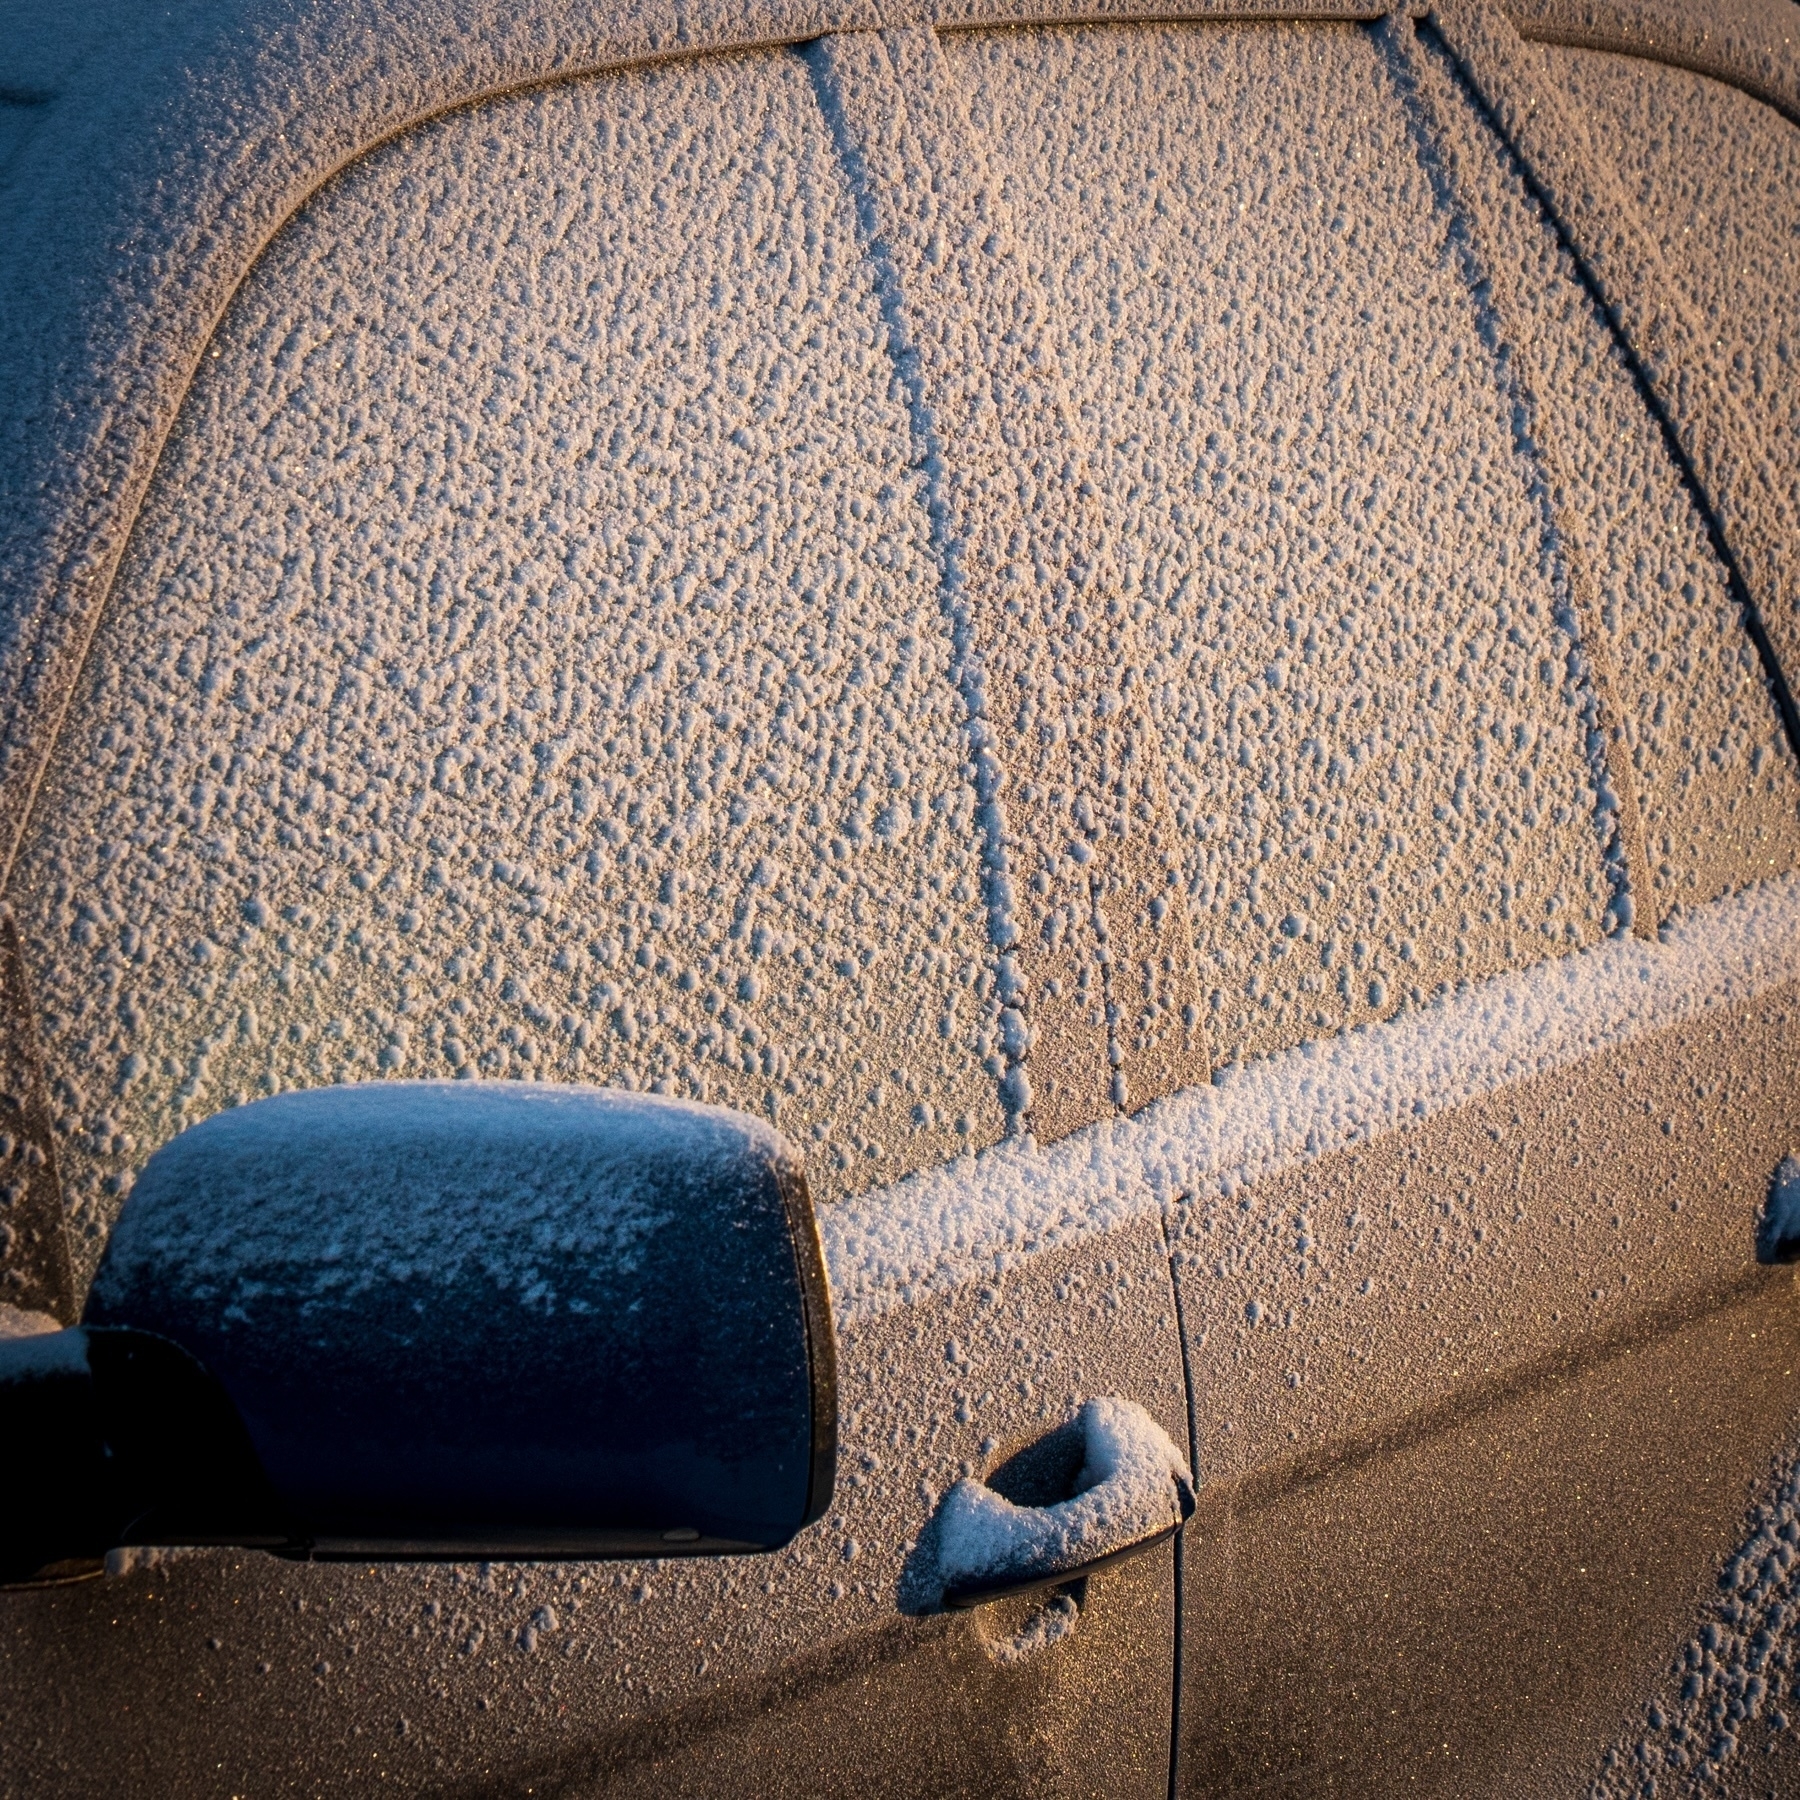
<point>921,887</point>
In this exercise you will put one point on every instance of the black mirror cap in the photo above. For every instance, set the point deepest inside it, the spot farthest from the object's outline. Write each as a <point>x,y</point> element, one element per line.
<point>498,1320</point>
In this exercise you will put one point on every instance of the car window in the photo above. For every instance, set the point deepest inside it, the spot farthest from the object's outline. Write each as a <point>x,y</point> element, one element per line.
<point>1716,176</point>
<point>1376,750</point>
<point>529,663</point>
<point>1714,775</point>
<point>1378,711</point>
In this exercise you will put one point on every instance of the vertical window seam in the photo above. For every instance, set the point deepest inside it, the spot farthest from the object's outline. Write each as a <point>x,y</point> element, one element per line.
<point>1645,310</point>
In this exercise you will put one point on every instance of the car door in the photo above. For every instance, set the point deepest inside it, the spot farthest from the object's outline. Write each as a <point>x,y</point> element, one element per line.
<point>545,655</point>
<point>1487,819</point>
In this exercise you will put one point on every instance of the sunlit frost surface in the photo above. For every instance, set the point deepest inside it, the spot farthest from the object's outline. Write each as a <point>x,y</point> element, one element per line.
<point>1346,602</point>
<point>1715,778</point>
<point>530,662</point>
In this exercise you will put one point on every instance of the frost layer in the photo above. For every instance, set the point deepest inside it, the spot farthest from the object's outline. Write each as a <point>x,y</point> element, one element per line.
<point>980,1214</point>
<point>1133,1484</point>
<point>1714,776</point>
<point>1346,607</point>
<point>344,1191</point>
<point>1716,176</point>
<point>530,662</point>
<point>1737,1669</point>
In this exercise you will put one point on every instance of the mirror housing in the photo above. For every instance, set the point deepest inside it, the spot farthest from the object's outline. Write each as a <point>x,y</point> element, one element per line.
<point>458,1319</point>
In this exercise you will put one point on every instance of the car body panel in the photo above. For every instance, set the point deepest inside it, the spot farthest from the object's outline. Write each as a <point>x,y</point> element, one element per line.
<point>1480,1604</point>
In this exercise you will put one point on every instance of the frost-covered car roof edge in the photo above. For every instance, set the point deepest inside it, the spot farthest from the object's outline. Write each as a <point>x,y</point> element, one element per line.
<point>1749,46</point>
<point>137,206</point>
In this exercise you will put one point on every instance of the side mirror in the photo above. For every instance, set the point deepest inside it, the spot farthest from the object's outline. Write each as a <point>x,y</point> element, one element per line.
<point>439,1319</point>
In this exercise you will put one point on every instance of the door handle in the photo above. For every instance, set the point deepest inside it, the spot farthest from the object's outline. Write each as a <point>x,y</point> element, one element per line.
<point>1134,1491</point>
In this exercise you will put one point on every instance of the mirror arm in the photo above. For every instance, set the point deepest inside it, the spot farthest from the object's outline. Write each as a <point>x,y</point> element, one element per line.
<point>115,1437</point>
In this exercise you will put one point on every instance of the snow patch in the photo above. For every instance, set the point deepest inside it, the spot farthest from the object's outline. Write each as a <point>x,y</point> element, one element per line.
<point>135,1559</point>
<point>1047,1626</point>
<point>422,1181</point>
<point>1778,1230</point>
<point>1133,1484</point>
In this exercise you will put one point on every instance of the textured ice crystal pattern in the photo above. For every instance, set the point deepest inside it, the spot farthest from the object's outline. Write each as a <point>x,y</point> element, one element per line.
<point>1715,777</point>
<point>1716,176</point>
<point>532,657</point>
<point>1346,602</point>
<point>328,1195</point>
<point>1737,1671</point>
<point>530,663</point>
<point>982,1214</point>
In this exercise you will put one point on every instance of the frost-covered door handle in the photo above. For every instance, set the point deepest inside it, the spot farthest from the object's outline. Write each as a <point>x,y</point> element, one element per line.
<point>1134,1490</point>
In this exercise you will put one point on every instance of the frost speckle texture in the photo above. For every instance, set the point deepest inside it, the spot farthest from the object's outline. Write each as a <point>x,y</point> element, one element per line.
<point>1734,1673</point>
<point>530,663</point>
<point>1715,777</point>
<point>1716,176</point>
<point>330,1195</point>
<point>1210,1145</point>
<point>20,1321</point>
<point>1347,602</point>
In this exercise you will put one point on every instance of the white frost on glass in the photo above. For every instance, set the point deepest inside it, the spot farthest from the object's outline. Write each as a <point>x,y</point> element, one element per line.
<point>979,1214</point>
<point>530,662</point>
<point>1133,1483</point>
<point>1714,776</point>
<point>1332,579</point>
